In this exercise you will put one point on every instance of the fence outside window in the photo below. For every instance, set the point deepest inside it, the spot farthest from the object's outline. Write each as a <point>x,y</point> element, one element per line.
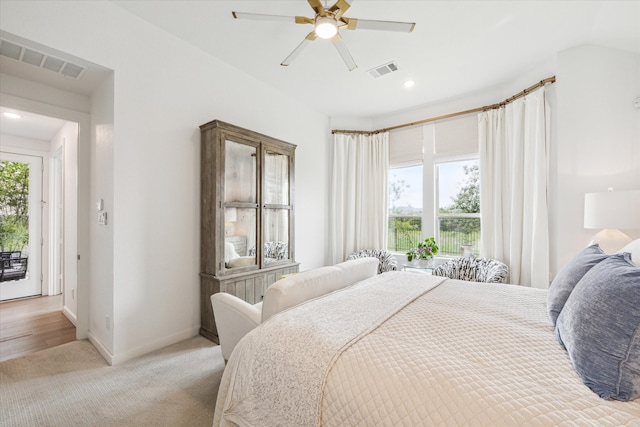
<point>455,230</point>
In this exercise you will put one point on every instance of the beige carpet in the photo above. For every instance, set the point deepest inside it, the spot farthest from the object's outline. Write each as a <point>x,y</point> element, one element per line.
<point>72,385</point>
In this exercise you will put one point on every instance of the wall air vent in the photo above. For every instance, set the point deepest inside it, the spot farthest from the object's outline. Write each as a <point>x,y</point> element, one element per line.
<point>40,60</point>
<point>382,70</point>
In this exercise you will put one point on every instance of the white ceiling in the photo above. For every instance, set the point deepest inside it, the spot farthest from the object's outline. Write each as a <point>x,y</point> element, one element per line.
<point>30,125</point>
<point>457,47</point>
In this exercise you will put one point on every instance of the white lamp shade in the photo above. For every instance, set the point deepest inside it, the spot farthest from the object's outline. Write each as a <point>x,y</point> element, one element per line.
<point>612,209</point>
<point>610,240</point>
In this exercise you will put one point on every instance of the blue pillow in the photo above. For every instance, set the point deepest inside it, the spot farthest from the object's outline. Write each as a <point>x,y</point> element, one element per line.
<point>600,328</point>
<point>569,276</point>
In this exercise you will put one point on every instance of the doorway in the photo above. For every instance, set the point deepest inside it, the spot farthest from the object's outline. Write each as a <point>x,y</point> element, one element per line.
<point>56,228</point>
<point>29,88</point>
<point>48,314</point>
<point>20,225</point>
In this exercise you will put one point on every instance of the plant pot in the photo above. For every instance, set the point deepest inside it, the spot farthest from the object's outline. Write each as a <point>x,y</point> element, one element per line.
<point>425,262</point>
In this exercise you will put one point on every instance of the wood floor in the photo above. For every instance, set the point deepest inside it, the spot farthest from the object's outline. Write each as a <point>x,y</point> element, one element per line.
<point>31,325</point>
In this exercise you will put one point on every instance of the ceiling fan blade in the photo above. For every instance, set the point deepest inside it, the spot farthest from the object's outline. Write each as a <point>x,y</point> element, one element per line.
<point>341,6</point>
<point>317,6</point>
<point>293,55</point>
<point>367,24</point>
<point>278,18</point>
<point>344,52</point>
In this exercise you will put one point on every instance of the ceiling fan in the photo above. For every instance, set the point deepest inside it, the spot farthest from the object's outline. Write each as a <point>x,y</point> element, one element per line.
<point>328,22</point>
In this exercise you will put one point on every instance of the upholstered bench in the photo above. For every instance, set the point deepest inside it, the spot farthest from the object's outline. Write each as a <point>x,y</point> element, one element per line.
<point>235,317</point>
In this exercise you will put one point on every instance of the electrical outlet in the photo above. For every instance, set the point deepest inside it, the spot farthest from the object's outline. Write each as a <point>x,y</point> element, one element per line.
<point>108,322</point>
<point>102,218</point>
<point>73,294</point>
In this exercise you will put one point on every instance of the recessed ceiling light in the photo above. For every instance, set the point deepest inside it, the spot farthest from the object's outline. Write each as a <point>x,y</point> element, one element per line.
<point>13,115</point>
<point>409,83</point>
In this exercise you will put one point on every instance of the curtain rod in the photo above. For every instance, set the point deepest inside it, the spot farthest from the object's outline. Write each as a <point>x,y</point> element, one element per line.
<point>459,113</point>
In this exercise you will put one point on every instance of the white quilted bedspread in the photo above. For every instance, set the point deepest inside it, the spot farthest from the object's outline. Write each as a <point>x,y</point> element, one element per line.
<point>463,354</point>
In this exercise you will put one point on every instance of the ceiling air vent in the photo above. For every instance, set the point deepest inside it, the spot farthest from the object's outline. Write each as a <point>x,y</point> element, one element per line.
<point>40,60</point>
<point>381,70</point>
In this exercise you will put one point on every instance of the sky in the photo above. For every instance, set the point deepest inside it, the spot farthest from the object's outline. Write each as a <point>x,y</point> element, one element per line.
<point>451,178</point>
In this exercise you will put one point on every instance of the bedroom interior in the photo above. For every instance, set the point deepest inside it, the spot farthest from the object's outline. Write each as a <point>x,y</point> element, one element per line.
<point>164,70</point>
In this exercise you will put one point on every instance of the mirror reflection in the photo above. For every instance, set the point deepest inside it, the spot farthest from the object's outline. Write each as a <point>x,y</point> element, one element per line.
<point>240,223</point>
<point>276,235</point>
<point>240,237</point>
<point>276,187</point>
<point>240,172</point>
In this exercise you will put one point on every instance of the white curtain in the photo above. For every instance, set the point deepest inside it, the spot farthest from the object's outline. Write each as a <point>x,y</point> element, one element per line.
<point>514,146</point>
<point>358,212</point>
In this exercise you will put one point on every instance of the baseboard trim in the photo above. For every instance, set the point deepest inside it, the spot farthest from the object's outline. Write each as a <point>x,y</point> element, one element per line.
<point>69,315</point>
<point>101,349</point>
<point>155,345</point>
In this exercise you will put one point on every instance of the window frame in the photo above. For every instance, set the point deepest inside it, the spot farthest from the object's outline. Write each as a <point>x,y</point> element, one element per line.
<point>437,214</point>
<point>402,165</point>
<point>430,219</point>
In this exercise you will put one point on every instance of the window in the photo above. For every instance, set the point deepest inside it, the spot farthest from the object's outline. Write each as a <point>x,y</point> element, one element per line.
<point>458,215</point>
<point>405,208</point>
<point>434,186</point>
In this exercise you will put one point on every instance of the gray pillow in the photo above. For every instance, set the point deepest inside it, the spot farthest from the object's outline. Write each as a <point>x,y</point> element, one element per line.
<point>600,328</point>
<point>569,276</point>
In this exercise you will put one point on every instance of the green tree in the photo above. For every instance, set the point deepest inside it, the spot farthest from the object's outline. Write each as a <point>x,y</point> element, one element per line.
<point>466,201</point>
<point>396,188</point>
<point>468,198</point>
<point>403,230</point>
<point>14,205</point>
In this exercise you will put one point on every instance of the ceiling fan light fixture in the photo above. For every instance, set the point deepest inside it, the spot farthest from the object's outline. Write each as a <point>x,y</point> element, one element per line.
<point>326,27</point>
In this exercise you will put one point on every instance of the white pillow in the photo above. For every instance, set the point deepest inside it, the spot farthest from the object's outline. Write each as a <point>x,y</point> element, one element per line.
<point>634,249</point>
<point>242,261</point>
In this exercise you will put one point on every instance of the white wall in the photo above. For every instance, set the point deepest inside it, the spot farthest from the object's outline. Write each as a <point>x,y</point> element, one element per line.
<point>29,144</point>
<point>102,237</point>
<point>598,139</point>
<point>15,86</point>
<point>67,138</point>
<point>158,106</point>
<point>470,101</point>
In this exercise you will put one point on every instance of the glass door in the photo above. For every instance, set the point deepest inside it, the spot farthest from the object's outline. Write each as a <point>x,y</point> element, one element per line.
<point>20,225</point>
<point>240,205</point>
<point>277,205</point>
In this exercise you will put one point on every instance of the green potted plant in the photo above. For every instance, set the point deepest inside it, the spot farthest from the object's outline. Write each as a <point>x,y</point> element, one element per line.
<point>426,250</point>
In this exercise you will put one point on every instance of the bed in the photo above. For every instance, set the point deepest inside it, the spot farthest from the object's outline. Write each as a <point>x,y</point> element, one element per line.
<point>406,348</point>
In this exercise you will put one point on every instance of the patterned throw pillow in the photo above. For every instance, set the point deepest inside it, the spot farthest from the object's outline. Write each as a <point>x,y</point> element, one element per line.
<point>273,250</point>
<point>600,328</point>
<point>569,276</point>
